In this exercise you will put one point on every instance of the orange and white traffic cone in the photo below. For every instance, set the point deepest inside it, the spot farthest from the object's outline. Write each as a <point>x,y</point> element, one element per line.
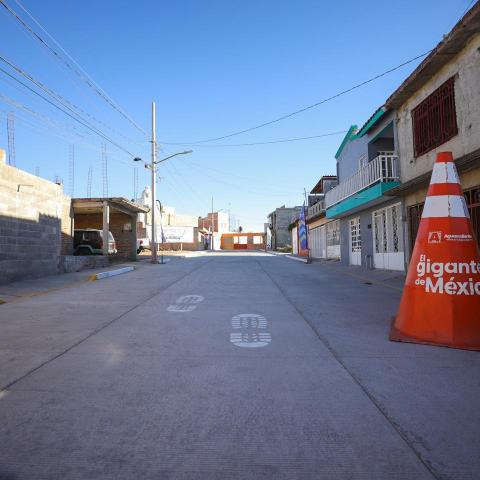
<point>441,298</point>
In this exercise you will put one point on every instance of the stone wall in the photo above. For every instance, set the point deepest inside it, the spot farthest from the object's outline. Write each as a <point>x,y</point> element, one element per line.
<point>35,225</point>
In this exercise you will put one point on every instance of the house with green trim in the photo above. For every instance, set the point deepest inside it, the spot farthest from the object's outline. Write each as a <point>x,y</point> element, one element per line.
<point>371,222</point>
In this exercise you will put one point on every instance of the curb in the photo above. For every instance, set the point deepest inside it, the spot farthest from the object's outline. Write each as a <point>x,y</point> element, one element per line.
<point>298,259</point>
<point>110,273</point>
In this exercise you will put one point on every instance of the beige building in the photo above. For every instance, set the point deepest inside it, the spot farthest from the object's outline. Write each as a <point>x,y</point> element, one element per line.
<point>438,109</point>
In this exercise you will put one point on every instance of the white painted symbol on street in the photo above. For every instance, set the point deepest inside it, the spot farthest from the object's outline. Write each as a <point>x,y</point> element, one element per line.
<point>249,320</point>
<point>250,339</point>
<point>186,303</point>
<point>250,334</point>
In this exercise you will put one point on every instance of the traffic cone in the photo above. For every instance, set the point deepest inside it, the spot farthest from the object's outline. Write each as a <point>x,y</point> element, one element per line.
<point>441,298</point>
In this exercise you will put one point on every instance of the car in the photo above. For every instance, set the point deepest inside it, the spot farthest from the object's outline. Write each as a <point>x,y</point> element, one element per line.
<point>89,241</point>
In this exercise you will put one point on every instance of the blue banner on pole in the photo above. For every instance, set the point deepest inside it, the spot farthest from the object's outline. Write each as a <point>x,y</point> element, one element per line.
<point>302,230</point>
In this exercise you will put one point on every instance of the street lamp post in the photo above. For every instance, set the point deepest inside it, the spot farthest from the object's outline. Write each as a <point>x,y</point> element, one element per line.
<point>153,169</point>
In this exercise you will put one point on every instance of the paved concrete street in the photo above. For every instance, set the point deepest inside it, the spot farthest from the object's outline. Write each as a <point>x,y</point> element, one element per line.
<point>226,366</point>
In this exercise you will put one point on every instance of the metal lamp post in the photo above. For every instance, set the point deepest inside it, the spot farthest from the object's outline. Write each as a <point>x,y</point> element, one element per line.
<point>153,169</point>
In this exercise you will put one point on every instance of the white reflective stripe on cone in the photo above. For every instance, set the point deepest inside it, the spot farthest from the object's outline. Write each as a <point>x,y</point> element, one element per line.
<point>444,172</point>
<point>445,206</point>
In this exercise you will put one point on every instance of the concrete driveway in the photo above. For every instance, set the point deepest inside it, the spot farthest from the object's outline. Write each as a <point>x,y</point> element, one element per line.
<point>242,366</point>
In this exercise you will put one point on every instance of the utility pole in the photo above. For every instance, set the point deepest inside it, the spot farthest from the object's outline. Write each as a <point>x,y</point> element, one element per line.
<point>309,259</point>
<point>71,170</point>
<point>89,182</point>
<point>11,138</point>
<point>212,229</point>
<point>153,169</point>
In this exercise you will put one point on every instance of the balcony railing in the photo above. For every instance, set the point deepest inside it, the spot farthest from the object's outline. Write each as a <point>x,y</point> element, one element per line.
<point>383,168</point>
<point>316,209</point>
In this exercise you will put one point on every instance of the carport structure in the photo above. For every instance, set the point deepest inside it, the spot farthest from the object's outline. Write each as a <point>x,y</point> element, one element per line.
<point>117,215</point>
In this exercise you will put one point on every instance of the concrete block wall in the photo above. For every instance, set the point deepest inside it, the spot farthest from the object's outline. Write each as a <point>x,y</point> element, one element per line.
<point>35,225</point>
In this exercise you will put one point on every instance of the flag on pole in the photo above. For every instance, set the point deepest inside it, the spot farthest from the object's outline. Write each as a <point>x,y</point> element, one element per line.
<point>302,230</point>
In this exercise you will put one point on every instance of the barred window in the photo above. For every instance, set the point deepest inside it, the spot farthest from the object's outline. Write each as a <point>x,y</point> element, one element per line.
<point>435,120</point>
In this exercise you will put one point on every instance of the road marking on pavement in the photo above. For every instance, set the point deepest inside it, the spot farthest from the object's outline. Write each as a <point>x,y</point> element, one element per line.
<point>186,303</point>
<point>249,320</point>
<point>249,336</point>
<point>250,339</point>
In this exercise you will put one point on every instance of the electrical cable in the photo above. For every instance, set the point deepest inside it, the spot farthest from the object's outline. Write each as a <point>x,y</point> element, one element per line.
<point>284,140</point>
<point>313,105</point>
<point>79,120</point>
<point>79,71</point>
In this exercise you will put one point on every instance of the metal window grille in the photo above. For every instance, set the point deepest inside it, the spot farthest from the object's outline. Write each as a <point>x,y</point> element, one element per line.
<point>472,198</point>
<point>435,120</point>
<point>414,217</point>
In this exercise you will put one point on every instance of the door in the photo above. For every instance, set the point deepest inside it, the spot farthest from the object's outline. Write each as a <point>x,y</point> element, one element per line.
<point>333,239</point>
<point>355,242</point>
<point>388,239</point>
<point>294,241</point>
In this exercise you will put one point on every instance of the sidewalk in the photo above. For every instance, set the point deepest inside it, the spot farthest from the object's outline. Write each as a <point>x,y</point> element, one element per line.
<point>28,288</point>
<point>387,278</point>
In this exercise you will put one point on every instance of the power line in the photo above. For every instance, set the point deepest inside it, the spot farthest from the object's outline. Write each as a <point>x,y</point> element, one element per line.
<point>74,66</point>
<point>313,105</point>
<point>80,120</point>
<point>284,140</point>
<point>49,122</point>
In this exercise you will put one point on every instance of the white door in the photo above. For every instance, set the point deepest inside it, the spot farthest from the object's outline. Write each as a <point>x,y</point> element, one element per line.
<point>317,242</point>
<point>387,238</point>
<point>294,241</point>
<point>355,242</point>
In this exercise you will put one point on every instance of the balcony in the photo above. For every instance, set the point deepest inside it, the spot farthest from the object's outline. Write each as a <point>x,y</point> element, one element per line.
<point>316,209</point>
<point>382,169</point>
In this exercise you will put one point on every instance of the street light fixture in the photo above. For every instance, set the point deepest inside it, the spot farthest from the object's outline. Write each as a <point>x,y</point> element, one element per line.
<point>152,166</point>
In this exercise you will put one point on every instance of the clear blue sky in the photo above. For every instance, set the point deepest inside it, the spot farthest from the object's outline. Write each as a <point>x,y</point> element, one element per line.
<point>213,67</point>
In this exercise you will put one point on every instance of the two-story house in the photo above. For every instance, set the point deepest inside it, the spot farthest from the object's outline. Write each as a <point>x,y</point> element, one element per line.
<point>438,109</point>
<point>371,223</point>
<point>323,233</point>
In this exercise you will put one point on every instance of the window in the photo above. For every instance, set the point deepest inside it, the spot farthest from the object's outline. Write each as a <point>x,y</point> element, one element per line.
<point>472,198</point>
<point>435,120</point>
<point>414,217</point>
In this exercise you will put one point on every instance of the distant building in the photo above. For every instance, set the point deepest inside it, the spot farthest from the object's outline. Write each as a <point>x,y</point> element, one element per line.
<point>218,222</point>
<point>278,223</point>
<point>174,231</point>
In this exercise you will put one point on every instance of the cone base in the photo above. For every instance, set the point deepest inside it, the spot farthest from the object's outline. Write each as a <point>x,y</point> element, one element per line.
<point>397,336</point>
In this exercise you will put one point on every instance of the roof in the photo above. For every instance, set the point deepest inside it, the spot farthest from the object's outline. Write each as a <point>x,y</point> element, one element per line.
<point>118,203</point>
<point>318,188</point>
<point>352,131</point>
<point>376,116</point>
<point>442,54</point>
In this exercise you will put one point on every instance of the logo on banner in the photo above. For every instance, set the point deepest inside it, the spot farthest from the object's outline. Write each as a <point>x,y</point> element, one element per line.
<point>434,237</point>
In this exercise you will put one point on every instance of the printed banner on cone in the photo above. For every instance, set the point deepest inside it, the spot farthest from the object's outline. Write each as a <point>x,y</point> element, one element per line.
<point>441,298</point>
